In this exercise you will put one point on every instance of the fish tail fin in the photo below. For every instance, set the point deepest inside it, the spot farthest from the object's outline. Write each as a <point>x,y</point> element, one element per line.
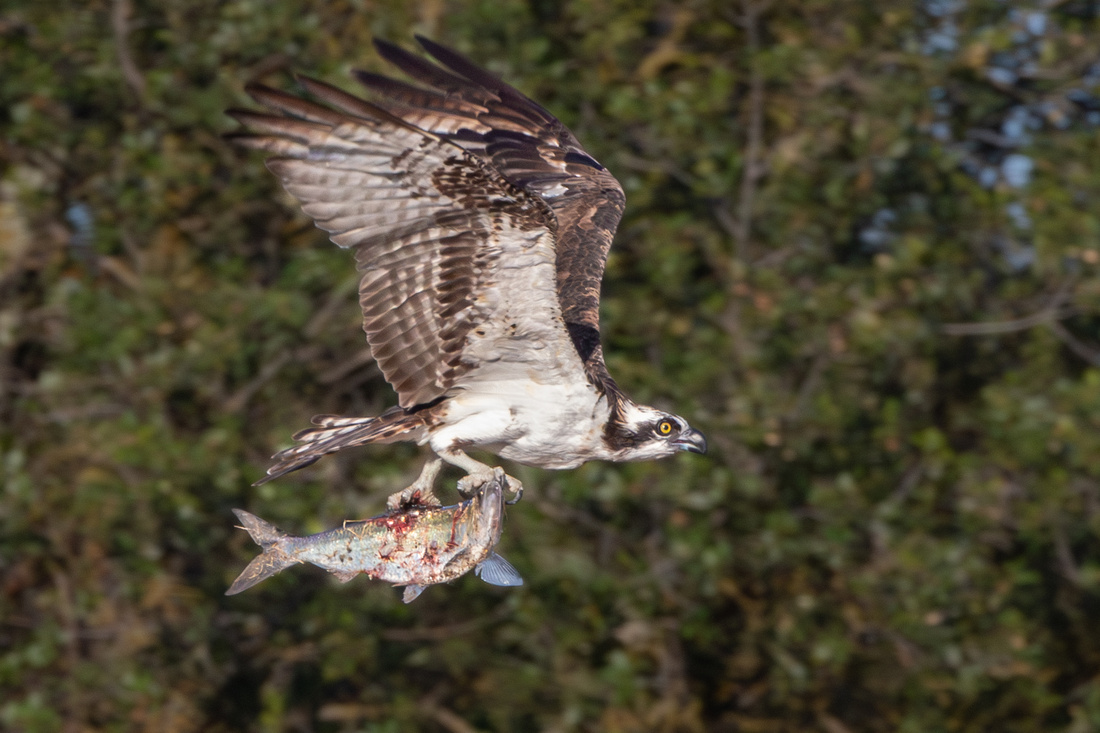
<point>262,533</point>
<point>270,561</point>
<point>335,433</point>
<point>498,571</point>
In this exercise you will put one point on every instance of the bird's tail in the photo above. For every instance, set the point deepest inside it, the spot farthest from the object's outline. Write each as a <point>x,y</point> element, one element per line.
<point>334,433</point>
<point>270,561</point>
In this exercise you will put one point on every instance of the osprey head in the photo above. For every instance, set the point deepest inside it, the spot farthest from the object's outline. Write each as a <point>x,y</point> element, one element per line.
<point>643,433</point>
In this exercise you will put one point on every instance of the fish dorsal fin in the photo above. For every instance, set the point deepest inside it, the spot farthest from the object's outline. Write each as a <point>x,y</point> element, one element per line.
<point>412,592</point>
<point>498,571</point>
<point>344,575</point>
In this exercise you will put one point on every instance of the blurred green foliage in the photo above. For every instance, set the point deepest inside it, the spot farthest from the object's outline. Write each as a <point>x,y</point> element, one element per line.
<point>842,259</point>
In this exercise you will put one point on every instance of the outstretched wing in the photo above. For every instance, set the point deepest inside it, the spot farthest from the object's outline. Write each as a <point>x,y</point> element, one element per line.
<point>534,152</point>
<point>439,235</point>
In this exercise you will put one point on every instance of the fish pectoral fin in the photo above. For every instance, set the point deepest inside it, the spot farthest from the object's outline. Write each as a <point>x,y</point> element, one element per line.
<point>498,571</point>
<point>344,575</point>
<point>412,592</point>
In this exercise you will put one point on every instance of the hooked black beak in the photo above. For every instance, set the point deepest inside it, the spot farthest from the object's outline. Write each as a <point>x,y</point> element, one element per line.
<point>691,440</point>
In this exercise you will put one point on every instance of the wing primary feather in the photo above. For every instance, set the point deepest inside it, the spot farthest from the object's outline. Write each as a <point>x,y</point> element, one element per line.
<point>294,106</point>
<point>456,62</point>
<point>277,145</point>
<point>455,156</point>
<point>356,106</point>
<point>300,130</point>
<point>419,67</point>
<point>338,97</point>
<point>416,98</point>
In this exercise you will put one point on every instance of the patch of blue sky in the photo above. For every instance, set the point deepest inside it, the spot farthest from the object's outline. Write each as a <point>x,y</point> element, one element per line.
<point>1016,170</point>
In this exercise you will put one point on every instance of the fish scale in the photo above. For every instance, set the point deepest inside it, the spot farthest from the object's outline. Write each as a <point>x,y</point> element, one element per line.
<point>415,546</point>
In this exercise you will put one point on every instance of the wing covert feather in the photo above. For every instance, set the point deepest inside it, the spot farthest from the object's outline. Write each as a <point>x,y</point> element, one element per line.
<point>427,221</point>
<point>531,149</point>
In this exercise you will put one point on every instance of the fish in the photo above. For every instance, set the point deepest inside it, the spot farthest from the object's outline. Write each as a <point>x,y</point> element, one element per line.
<point>413,546</point>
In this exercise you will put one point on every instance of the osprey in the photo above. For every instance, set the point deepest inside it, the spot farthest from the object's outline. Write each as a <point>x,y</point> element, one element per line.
<point>481,228</point>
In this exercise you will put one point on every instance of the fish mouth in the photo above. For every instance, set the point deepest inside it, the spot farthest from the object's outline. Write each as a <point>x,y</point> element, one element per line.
<point>692,441</point>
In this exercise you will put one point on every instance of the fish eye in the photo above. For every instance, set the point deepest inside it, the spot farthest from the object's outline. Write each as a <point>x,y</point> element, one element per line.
<point>664,427</point>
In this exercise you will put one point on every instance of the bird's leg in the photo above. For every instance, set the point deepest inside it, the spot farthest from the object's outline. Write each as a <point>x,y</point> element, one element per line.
<point>478,474</point>
<point>420,491</point>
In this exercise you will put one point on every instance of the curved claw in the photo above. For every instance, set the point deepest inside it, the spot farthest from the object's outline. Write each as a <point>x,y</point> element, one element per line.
<point>516,488</point>
<point>471,483</point>
<point>474,482</point>
<point>419,493</point>
<point>413,496</point>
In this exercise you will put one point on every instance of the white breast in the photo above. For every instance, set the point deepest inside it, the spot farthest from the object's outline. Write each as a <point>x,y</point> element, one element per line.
<point>526,396</point>
<point>528,421</point>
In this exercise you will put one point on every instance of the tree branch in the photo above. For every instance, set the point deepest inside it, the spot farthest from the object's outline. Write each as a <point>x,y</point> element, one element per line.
<point>1046,315</point>
<point>751,170</point>
<point>1054,311</point>
<point>1089,354</point>
<point>120,26</point>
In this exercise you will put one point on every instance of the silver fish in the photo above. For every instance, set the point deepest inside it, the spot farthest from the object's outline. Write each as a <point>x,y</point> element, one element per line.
<point>415,547</point>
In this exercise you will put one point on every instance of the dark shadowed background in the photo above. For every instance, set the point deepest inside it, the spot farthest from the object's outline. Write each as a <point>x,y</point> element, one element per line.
<point>860,252</point>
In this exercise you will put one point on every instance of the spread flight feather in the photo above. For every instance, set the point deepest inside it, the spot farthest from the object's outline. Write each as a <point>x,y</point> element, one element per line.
<point>481,228</point>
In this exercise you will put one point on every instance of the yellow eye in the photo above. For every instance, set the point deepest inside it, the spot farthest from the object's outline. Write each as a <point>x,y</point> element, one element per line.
<point>664,427</point>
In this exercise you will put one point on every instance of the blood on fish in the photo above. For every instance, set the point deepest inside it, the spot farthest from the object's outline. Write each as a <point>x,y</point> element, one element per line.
<point>396,523</point>
<point>455,519</point>
<point>397,546</point>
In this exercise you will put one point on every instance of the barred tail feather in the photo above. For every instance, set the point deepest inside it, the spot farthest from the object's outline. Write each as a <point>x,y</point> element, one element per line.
<point>335,433</point>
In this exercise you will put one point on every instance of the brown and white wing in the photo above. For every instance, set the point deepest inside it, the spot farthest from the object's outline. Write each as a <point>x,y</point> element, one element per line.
<point>533,151</point>
<point>438,235</point>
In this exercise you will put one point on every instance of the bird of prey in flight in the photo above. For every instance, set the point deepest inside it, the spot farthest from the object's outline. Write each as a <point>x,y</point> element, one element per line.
<point>481,228</point>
